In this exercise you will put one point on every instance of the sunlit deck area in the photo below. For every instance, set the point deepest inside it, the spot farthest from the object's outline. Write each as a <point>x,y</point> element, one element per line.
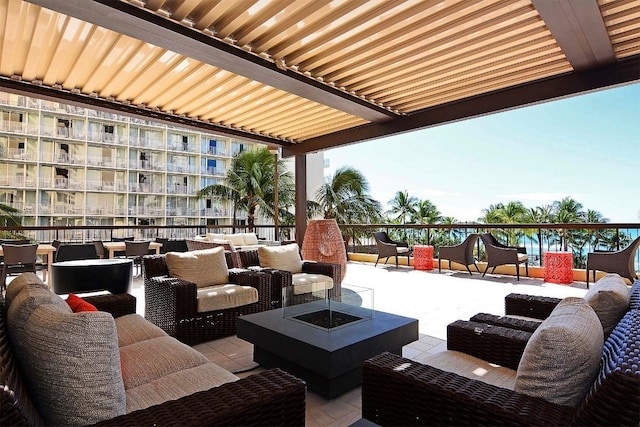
<point>434,299</point>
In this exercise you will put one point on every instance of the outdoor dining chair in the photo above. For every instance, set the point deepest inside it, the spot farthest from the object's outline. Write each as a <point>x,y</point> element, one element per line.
<point>136,250</point>
<point>19,259</point>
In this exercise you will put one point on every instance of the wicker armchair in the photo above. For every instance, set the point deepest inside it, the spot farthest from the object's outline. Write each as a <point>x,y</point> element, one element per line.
<point>499,254</point>
<point>283,279</point>
<point>271,397</point>
<point>620,262</point>
<point>461,253</point>
<point>231,255</point>
<point>171,303</point>
<point>400,391</point>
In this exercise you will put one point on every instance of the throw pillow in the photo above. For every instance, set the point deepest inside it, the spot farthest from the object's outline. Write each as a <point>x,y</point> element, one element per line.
<point>78,305</point>
<point>609,298</point>
<point>562,357</point>
<point>236,239</point>
<point>206,267</point>
<point>16,285</point>
<point>286,257</point>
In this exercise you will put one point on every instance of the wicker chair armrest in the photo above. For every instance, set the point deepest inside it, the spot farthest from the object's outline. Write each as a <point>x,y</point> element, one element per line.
<point>495,344</point>
<point>171,292</point>
<point>116,304</point>
<point>538,307</point>
<point>506,321</point>
<point>328,269</point>
<point>272,397</point>
<point>398,391</point>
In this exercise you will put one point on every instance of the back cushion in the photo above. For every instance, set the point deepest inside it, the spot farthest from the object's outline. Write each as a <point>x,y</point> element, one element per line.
<point>15,286</point>
<point>72,365</point>
<point>286,257</point>
<point>236,239</point>
<point>250,239</point>
<point>215,236</point>
<point>562,357</point>
<point>609,298</point>
<point>30,297</point>
<point>206,267</point>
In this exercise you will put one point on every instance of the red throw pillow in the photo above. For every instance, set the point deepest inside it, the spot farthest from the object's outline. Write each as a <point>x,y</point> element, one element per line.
<point>77,304</point>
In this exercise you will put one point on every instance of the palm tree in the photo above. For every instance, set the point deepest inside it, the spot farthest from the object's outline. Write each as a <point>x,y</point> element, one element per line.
<point>9,216</point>
<point>426,213</point>
<point>567,211</point>
<point>511,213</point>
<point>403,206</point>
<point>346,199</point>
<point>250,185</point>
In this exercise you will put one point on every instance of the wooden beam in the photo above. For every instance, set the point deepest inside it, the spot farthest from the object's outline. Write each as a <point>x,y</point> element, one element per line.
<point>580,31</point>
<point>620,73</point>
<point>127,19</point>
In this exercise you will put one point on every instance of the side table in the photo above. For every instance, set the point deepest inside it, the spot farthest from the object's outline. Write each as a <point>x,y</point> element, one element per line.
<point>558,267</point>
<point>423,257</point>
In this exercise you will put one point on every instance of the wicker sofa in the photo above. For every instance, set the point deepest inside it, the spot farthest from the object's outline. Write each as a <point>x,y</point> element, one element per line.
<point>171,303</point>
<point>399,391</point>
<point>112,367</point>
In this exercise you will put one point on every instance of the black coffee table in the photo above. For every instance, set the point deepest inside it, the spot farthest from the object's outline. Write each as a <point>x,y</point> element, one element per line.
<point>330,361</point>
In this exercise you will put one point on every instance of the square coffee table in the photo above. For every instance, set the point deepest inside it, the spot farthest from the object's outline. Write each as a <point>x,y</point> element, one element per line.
<point>329,360</point>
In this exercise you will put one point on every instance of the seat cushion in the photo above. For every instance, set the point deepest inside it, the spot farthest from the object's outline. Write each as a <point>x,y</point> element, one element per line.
<point>609,298</point>
<point>285,257</point>
<point>562,357</point>
<point>221,297</point>
<point>133,328</point>
<point>522,257</point>
<point>304,283</point>
<point>402,250</point>
<point>472,367</point>
<point>206,267</point>
<point>177,385</point>
<point>149,360</point>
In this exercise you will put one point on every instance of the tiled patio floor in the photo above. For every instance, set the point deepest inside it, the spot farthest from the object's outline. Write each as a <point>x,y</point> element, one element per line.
<point>434,299</point>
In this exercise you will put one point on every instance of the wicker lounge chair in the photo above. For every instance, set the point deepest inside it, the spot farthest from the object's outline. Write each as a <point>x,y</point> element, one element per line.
<point>461,253</point>
<point>499,254</point>
<point>171,303</point>
<point>620,262</point>
<point>232,256</point>
<point>282,279</point>
<point>388,248</point>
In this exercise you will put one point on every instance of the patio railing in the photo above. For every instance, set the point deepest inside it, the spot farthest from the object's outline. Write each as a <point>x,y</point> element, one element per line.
<point>579,238</point>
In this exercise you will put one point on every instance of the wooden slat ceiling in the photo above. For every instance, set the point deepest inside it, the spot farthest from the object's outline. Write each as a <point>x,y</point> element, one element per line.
<point>315,74</point>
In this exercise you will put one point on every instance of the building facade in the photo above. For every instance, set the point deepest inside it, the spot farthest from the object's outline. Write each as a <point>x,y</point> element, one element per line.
<point>66,165</point>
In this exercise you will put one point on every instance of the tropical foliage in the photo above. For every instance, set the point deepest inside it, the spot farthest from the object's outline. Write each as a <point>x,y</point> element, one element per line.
<point>251,186</point>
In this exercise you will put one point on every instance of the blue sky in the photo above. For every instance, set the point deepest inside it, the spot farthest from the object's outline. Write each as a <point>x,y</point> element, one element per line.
<point>586,147</point>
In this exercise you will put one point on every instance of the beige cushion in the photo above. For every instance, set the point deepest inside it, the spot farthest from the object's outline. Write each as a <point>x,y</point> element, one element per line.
<point>206,267</point>
<point>609,298</point>
<point>228,243</point>
<point>250,239</point>
<point>286,257</point>
<point>471,367</point>
<point>215,236</point>
<point>308,282</point>
<point>402,250</point>
<point>133,328</point>
<point>522,257</point>
<point>148,360</point>
<point>226,296</point>
<point>562,357</point>
<point>72,366</point>
<point>236,239</point>
<point>177,385</point>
